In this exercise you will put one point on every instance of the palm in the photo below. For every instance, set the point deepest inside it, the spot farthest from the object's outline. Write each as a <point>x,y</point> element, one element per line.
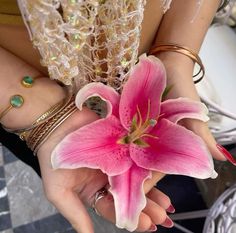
<point>84,182</point>
<point>70,189</point>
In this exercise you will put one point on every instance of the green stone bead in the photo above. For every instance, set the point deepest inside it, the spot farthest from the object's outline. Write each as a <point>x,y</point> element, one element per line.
<point>16,101</point>
<point>27,81</point>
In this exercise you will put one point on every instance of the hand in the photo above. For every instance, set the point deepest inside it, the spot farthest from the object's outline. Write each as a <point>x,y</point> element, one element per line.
<point>179,76</point>
<point>71,190</point>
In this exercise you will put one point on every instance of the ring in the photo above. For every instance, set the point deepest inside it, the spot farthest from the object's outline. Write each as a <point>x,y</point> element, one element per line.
<point>99,195</point>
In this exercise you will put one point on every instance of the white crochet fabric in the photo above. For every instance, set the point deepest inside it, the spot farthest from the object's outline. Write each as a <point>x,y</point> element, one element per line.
<point>86,40</point>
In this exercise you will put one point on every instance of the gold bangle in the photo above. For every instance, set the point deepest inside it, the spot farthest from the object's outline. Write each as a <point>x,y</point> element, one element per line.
<point>36,134</point>
<point>41,133</point>
<point>182,50</point>
<point>23,132</point>
<point>16,101</point>
<point>54,127</point>
<point>44,117</point>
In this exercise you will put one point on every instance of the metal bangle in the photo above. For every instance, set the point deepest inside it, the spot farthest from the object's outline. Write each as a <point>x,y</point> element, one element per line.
<point>41,133</point>
<point>182,50</point>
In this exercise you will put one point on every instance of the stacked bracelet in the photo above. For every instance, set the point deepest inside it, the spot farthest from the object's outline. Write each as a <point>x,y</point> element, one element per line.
<point>41,128</point>
<point>41,133</point>
<point>183,50</point>
<point>23,132</point>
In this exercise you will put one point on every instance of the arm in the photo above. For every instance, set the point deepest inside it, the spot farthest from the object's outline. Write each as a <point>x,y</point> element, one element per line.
<point>69,190</point>
<point>36,103</point>
<point>186,23</point>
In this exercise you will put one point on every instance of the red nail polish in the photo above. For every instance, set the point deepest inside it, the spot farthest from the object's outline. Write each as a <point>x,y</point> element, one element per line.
<point>110,198</point>
<point>226,153</point>
<point>152,228</point>
<point>168,223</point>
<point>171,209</point>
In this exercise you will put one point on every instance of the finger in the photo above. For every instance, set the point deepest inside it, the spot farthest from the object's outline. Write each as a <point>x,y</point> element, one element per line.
<point>71,207</point>
<point>149,183</point>
<point>105,207</point>
<point>160,198</point>
<point>155,212</point>
<point>202,130</point>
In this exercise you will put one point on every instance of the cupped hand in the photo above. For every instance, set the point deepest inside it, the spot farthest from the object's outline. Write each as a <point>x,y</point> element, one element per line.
<point>179,71</point>
<point>71,190</point>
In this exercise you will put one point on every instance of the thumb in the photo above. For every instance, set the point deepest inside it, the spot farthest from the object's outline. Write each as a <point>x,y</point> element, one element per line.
<point>201,129</point>
<point>71,207</point>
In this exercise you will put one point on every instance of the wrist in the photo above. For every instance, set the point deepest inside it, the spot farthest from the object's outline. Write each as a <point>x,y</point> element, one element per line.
<point>176,62</point>
<point>72,123</point>
<point>179,71</point>
<point>39,98</point>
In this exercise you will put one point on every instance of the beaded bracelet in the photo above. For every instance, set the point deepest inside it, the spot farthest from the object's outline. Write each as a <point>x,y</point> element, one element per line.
<point>16,101</point>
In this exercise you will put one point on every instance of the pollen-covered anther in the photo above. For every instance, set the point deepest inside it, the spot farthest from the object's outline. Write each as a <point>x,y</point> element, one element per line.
<point>152,122</point>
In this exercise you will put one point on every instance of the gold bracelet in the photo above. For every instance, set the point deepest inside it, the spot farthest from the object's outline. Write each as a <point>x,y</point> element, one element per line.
<point>23,132</point>
<point>45,116</point>
<point>16,101</point>
<point>183,50</point>
<point>41,133</point>
<point>35,135</point>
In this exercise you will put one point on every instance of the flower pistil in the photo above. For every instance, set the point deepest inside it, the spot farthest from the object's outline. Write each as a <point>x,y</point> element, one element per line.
<point>139,129</point>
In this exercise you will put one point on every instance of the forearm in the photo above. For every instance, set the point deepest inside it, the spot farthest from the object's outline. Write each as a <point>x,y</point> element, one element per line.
<point>44,94</point>
<point>186,23</point>
<point>41,96</point>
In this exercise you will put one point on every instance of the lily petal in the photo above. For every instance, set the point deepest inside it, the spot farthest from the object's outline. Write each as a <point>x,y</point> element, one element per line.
<point>94,146</point>
<point>176,151</point>
<point>180,108</point>
<point>129,196</point>
<point>106,93</point>
<point>146,83</point>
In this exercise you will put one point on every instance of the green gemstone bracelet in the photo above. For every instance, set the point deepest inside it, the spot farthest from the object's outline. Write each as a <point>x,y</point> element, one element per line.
<point>16,101</point>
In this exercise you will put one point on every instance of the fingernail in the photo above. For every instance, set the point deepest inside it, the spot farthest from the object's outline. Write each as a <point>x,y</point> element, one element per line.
<point>171,209</point>
<point>110,198</point>
<point>226,154</point>
<point>152,228</point>
<point>168,223</point>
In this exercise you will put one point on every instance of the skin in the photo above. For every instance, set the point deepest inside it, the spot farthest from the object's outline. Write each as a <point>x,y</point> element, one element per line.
<point>69,190</point>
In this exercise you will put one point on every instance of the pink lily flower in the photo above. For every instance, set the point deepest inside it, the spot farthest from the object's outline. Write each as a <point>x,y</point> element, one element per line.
<point>140,134</point>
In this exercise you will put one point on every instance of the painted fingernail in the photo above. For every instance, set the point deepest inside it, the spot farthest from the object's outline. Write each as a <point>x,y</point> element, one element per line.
<point>152,228</point>
<point>168,223</point>
<point>171,209</point>
<point>227,155</point>
<point>110,198</point>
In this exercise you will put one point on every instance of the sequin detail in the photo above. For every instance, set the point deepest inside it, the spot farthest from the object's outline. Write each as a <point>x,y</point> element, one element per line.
<point>86,41</point>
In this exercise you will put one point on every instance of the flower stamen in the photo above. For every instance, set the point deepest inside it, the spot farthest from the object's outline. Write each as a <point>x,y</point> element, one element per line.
<point>149,135</point>
<point>139,127</point>
<point>139,117</point>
